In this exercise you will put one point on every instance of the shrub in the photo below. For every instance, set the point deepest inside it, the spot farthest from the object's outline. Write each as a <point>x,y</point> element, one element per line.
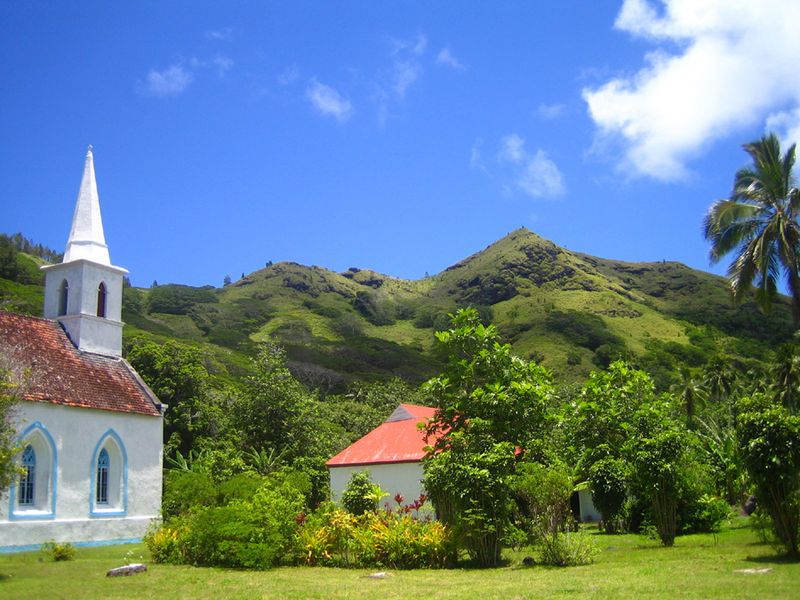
<point>165,545</point>
<point>58,552</point>
<point>256,533</point>
<point>361,494</point>
<point>334,537</point>
<point>239,487</point>
<point>608,479</point>
<point>708,514</point>
<point>185,491</point>
<point>227,536</point>
<point>769,440</point>
<point>568,550</point>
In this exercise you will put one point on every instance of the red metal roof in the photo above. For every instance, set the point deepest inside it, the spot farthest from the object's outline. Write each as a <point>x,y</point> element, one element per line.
<point>59,373</point>
<point>398,439</point>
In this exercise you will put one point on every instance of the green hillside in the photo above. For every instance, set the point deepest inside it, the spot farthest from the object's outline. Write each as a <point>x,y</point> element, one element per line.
<point>568,310</point>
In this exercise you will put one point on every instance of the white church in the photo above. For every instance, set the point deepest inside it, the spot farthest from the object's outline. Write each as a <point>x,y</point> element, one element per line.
<point>89,429</point>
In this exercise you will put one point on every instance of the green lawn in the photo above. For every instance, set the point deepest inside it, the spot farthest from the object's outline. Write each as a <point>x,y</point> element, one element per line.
<point>629,566</point>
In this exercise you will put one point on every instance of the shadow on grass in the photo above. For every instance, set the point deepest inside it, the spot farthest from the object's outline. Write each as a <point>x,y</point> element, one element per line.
<point>777,559</point>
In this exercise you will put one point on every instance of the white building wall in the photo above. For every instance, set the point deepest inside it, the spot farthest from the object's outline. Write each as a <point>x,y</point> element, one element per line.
<point>589,513</point>
<point>86,330</point>
<point>135,492</point>
<point>402,478</point>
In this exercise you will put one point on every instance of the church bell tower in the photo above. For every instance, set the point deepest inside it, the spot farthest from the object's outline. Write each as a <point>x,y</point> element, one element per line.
<point>84,291</point>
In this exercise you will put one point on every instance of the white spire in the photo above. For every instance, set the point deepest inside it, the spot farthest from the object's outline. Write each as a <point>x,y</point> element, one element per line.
<point>86,238</point>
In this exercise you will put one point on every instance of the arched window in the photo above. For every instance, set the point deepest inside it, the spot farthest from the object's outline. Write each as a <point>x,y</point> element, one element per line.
<point>33,495</point>
<point>103,464</point>
<point>63,296</point>
<point>101,300</point>
<point>108,491</point>
<point>27,483</point>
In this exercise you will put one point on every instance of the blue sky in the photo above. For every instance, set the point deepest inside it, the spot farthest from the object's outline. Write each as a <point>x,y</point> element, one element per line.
<point>400,137</point>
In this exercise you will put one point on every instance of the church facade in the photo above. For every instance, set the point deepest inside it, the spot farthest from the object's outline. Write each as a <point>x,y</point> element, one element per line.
<point>89,429</point>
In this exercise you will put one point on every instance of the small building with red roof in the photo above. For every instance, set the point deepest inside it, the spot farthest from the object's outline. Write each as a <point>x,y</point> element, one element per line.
<point>392,453</point>
<point>89,430</point>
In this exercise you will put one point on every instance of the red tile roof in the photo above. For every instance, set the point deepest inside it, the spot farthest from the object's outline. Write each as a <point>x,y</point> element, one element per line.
<point>62,374</point>
<point>396,440</point>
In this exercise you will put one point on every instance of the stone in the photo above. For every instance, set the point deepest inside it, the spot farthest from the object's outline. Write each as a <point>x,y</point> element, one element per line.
<point>127,570</point>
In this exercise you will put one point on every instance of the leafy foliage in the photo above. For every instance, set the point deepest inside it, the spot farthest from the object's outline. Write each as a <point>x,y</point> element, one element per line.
<point>361,495</point>
<point>334,537</point>
<point>489,403</point>
<point>769,440</point>
<point>759,223</point>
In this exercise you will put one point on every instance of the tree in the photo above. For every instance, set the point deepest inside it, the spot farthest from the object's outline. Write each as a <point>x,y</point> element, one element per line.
<point>178,377</point>
<point>769,440</point>
<point>759,223</point>
<point>490,404</point>
<point>9,394</point>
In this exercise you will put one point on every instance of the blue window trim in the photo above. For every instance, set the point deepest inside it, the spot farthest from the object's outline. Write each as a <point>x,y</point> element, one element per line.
<point>94,506</point>
<point>14,512</point>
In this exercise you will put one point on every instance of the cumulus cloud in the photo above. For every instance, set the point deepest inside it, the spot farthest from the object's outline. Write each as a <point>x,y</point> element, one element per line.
<point>168,82</point>
<point>328,102</point>
<point>447,58</point>
<point>535,174</point>
<point>716,66</point>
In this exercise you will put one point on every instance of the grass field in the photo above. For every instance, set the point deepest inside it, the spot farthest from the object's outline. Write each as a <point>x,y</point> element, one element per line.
<point>629,566</point>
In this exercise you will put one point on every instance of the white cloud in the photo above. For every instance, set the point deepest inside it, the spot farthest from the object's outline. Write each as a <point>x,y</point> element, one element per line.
<point>289,75</point>
<point>550,111</point>
<point>448,59</point>
<point>168,82</point>
<point>222,64</point>
<point>328,102</point>
<point>512,149</point>
<point>717,66</point>
<point>394,81</point>
<point>534,174</point>
<point>475,158</point>
<point>220,35</point>
<point>541,177</point>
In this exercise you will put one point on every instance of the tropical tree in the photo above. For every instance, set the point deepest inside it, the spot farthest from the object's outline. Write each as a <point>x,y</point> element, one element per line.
<point>490,404</point>
<point>759,222</point>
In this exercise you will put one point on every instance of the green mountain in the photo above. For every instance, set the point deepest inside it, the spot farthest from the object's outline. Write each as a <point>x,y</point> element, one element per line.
<point>570,311</point>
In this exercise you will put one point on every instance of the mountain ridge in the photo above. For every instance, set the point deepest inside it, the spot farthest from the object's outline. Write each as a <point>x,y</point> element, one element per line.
<point>569,310</point>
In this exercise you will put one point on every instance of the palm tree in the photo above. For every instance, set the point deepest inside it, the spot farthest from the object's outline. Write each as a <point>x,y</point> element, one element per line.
<point>759,222</point>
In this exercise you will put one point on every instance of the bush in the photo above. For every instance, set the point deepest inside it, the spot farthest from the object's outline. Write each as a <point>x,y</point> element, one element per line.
<point>58,552</point>
<point>185,491</point>
<point>164,545</point>
<point>708,514</point>
<point>256,534</point>
<point>608,478</point>
<point>227,536</point>
<point>334,537</point>
<point>769,440</point>
<point>361,495</point>
<point>568,550</point>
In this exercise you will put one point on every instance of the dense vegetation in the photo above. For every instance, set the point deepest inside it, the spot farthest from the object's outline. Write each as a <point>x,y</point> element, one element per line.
<point>641,382</point>
<point>570,312</point>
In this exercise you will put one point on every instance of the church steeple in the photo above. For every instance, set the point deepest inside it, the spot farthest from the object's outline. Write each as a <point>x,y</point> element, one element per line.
<point>86,238</point>
<point>84,292</point>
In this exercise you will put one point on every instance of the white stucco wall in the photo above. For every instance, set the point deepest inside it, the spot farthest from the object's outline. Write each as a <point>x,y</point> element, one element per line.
<point>589,513</point>
<point>402,478</point>
<point>77,433</point>
<point>88,331</point>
